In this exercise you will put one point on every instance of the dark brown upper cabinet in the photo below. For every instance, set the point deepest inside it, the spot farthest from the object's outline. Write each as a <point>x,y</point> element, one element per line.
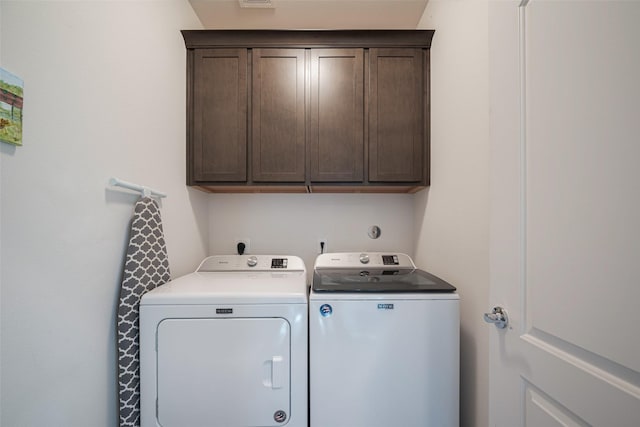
<point>219,129</point>
<point>396,141</point>
<point>278,115</point>
<point>336,137</point>
<point>298,111</point>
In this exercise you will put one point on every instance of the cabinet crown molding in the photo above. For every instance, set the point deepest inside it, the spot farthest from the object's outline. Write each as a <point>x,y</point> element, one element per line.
<point>198,39</point>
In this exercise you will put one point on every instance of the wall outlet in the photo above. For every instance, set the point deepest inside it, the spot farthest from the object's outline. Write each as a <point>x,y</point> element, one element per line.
<point>322,246</point>
<point>247,245</point>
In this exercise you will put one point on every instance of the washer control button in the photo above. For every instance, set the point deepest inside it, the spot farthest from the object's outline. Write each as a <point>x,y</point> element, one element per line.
<point>252,261</point>
<point>364,258</point>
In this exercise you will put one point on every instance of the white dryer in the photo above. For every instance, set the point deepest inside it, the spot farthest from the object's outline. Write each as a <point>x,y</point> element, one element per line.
<point>383,344</point>
<point>226,346</point>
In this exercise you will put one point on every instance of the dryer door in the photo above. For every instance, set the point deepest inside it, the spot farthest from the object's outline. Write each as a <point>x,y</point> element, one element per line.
<point>230,372</point>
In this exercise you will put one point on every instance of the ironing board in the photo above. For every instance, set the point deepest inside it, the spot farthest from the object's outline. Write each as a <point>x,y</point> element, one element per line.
<point>146,267</point>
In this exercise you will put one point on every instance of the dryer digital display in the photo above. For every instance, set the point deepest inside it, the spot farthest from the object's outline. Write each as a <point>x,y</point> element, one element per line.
<point>279,263</point>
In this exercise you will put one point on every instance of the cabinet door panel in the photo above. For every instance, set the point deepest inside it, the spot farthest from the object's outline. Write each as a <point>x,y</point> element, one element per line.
<point>278,117</point>
<point>336,140</point>
<point>395,115</point>
<point>220,128</point>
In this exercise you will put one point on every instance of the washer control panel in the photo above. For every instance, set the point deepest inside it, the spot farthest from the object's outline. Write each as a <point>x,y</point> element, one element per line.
<point>390,260</point>
<point>358,259</point>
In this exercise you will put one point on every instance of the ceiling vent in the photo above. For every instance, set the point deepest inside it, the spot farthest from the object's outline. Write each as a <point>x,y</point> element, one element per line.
<point>260,4</point>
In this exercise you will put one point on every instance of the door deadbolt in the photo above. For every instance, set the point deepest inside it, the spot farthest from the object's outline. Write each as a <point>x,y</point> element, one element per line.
<point>498,317</point>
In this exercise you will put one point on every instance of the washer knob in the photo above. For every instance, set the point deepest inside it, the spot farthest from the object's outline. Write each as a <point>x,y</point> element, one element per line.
<point>364,258</point>
<point>252,261</point>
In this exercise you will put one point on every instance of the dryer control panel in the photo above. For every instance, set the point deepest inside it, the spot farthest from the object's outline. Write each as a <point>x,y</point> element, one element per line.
<point>251,263</point>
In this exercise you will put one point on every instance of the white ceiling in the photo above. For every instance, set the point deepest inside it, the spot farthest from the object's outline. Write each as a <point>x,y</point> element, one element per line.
<point>311,14</point>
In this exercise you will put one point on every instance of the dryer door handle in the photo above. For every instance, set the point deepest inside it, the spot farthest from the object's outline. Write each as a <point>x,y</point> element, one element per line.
<point>277,372</point>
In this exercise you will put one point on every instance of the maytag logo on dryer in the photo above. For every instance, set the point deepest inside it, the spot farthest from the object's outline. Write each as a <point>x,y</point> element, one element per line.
<point>385,306</point>
<point>224,310</point>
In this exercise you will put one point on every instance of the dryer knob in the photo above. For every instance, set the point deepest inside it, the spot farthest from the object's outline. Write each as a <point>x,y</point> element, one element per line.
<point>364,258</point>
<point>252,261</point>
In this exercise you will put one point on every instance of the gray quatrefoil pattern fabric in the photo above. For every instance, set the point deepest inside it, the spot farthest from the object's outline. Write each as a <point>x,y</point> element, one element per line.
<point>146,267</point>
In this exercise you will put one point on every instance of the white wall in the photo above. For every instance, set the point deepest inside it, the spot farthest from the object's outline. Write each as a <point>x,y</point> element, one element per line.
<point>104,96</point>
<point>452,215</point>
<point>445,227</point>
<point>0,241</point>
<point>293,223</point>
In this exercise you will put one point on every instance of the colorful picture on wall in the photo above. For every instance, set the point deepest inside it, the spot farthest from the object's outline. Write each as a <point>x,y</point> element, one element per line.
<point>11,88</point>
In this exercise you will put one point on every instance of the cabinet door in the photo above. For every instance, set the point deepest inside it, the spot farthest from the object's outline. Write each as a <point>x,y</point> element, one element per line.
<point>336,139</point>
<point>278,117</point>
<point>219,145</point>
<point>396,142</point>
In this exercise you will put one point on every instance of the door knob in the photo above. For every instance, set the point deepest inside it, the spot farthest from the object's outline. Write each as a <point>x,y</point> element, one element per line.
<point>498,317</point>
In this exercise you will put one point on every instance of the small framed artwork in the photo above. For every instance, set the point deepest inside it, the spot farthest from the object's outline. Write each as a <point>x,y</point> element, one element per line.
<point>11,88</point>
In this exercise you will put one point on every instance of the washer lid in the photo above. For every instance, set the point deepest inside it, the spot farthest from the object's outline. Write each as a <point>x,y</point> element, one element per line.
<point>378,280</point>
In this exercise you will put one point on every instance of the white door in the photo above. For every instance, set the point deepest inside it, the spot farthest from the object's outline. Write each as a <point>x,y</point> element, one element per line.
<point>223,372</point>
<point>565,213</point>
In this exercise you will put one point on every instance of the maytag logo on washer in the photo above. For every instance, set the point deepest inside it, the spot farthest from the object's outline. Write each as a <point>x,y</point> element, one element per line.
<point>385,306</point>
<point>326,310</point>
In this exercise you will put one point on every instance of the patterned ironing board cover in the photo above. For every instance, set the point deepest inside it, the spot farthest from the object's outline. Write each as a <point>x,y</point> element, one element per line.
<point>146,267</point>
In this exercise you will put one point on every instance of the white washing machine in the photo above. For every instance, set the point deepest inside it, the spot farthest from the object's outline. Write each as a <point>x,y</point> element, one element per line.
<point>383,344</point>
<point>227,346</point>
